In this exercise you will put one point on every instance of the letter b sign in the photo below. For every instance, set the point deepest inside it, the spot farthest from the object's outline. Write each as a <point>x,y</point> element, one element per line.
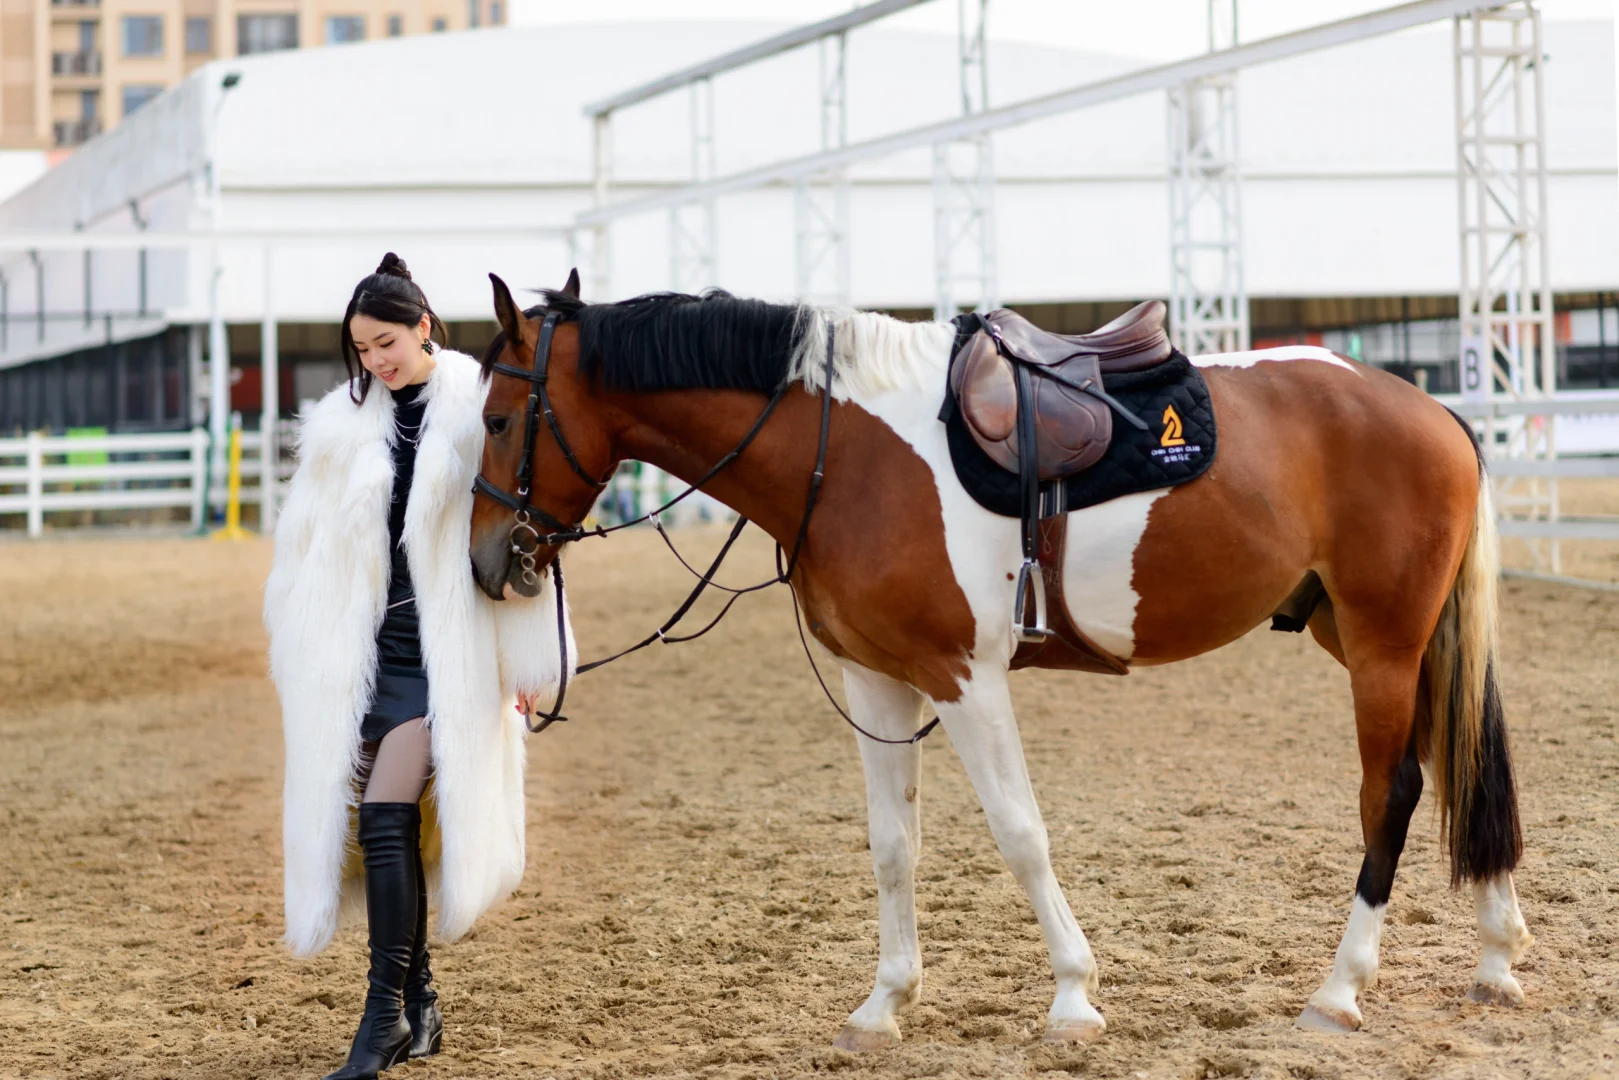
<point>1475,370</point>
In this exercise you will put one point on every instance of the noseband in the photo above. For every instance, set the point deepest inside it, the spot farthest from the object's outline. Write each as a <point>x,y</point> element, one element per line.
<point>539,404</point>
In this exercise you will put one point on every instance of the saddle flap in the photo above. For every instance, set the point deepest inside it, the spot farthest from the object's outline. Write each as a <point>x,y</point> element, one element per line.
<point>986,389</point>
<point>1072,428</point>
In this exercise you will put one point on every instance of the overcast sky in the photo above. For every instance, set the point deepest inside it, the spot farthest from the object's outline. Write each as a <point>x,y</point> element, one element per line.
<point>1157,29</point>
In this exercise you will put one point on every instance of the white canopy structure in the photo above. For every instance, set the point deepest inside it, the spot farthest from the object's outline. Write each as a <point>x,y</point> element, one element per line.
<point>334,154</point>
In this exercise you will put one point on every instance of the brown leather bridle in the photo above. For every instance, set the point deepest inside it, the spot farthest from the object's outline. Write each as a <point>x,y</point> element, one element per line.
<point>538,405</point>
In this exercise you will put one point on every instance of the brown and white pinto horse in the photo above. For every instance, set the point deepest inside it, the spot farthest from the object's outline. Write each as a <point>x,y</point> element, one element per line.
<point>1336,485</point>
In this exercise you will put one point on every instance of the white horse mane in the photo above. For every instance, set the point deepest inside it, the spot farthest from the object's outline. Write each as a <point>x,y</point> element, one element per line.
<point>873,354</point>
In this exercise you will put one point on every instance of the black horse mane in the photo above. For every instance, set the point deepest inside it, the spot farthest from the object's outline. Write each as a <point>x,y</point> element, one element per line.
<point>676,341</point>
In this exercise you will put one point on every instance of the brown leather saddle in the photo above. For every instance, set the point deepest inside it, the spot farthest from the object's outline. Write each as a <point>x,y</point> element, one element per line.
<point>1018,387</point>
<point>1072,412</point>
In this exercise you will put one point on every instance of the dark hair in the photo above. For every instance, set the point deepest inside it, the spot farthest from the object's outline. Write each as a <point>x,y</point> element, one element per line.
<point>390,296</point>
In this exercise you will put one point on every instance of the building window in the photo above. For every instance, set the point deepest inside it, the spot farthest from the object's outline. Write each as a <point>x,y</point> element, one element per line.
<point>136,96</point>
<point>396,26</point>
<point>266,33</point>
<point>439,26</point>
<point>472,12</point>
<point>495,12</point>
<point>143,35</point>
<point>89,104</point>
<point>87,35</point>
<point>199,34</point>
<point>341,29</point>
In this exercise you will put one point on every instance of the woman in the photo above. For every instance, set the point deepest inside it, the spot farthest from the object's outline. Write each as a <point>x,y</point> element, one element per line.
<point>393,666</point>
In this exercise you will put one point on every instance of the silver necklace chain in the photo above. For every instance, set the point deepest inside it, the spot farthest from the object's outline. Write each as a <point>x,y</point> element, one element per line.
<point>405,432</point>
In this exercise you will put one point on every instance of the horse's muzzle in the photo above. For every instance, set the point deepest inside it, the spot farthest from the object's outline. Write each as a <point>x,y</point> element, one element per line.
<point>493,567</point>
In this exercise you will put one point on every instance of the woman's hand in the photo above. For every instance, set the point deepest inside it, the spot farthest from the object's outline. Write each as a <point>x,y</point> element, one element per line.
<point>527,703</point>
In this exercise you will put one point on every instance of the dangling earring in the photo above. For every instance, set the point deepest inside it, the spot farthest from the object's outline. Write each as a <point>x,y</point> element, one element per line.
<point>427,346</point>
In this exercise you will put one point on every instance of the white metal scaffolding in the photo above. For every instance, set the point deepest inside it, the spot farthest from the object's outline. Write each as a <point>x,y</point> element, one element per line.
<point>821,202</point>
<point>1208,303</point>
<point>823,198</point>
<point>601,253</point>
<point>964,267</point>
<point>692,225</point>
<point>1507,331</point>
<point>977,120</point>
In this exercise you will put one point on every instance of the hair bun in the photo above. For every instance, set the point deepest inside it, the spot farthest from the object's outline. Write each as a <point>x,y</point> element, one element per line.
<point>393,266</point>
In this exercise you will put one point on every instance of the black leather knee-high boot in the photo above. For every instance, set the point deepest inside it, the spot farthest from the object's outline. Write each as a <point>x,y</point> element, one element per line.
<point>388,840</point>
<point>421,1001</point>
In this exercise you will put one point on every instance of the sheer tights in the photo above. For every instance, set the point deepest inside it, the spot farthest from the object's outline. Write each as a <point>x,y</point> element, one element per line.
<point>403,760</point>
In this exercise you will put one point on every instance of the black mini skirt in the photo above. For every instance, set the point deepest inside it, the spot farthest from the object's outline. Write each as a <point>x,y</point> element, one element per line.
<point>400,695</point>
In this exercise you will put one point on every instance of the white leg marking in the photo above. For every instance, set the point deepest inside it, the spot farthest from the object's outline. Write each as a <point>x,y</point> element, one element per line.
<point>1333,1007</point>
<point>1504,937</point>
<point>891,710</point>
<point>1099,565</point>
<point>984,732</point>
<point>1282,352</point>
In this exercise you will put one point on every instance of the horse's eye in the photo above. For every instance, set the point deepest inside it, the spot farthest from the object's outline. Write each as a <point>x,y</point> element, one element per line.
<point>495,424</point>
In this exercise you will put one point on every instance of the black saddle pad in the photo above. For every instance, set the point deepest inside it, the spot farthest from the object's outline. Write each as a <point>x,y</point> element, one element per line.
<point>1137,460</point>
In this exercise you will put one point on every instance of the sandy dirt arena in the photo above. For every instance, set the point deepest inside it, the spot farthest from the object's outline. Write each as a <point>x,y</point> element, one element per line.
<point>699,899</point>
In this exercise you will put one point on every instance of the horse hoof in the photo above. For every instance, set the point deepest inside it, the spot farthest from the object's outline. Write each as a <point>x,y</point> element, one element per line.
<point>1507,993</point>
<point>1076,1031</point>
<point>860,1041</point>
<point>1327,1020</point>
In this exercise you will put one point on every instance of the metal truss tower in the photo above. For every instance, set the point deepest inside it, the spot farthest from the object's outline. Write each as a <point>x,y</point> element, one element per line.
<point>692,226</point>
<point>601,252</point>
<point>1508,343</point>
<point>821,203</point>
<point>964,255</point>
<point>1208,302</point>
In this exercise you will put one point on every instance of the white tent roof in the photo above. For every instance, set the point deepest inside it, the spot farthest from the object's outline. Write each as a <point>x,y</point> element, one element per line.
<point>1349,163</point>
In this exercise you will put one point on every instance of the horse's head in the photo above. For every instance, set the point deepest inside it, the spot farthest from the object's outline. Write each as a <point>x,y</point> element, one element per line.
<point>520,516</point>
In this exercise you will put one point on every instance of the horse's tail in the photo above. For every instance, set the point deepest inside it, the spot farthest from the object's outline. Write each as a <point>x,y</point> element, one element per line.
<point>1469,757</point>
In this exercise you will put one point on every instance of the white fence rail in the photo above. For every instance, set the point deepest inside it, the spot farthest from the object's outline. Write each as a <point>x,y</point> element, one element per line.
<point>1596,409</point>
<point>45,474</point>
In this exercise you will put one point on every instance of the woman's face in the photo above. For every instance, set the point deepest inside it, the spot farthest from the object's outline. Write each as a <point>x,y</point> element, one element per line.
<point>391,351</point>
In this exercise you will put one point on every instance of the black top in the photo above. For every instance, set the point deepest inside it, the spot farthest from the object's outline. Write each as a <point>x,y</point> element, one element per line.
<point>398,642</point>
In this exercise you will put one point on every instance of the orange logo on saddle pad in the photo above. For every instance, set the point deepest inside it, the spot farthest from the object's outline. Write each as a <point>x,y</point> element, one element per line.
<point>1173,433</point>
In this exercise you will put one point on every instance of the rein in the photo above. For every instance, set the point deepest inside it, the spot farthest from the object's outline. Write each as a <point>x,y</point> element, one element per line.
<point>539,404</point>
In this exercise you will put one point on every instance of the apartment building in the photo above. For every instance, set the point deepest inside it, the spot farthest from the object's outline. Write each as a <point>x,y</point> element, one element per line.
<point>72,68</point>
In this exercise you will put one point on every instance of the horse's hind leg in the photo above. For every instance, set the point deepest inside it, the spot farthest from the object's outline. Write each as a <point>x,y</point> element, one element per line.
<point>891,710</point>
<point>1384,681</point>
<point>984,732</point>
<point>1504,938</point>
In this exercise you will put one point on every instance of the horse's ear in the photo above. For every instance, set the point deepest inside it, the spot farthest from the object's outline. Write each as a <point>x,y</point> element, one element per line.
<point>506,311</point>
<point>572,287</point>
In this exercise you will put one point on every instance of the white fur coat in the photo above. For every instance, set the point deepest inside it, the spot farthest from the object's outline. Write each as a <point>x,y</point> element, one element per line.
<point>323,604</point>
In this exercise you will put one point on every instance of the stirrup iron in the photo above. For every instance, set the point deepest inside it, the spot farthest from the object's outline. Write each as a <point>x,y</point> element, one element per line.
<point>1028,576</point>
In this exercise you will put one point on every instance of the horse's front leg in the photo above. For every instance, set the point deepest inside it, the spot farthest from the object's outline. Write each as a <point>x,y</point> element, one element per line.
<point>891,710</point>
<point>984,732</point>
